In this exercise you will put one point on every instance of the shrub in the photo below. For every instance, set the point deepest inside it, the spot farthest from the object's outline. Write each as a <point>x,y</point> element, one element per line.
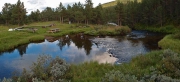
<point>45,69</point>
<point>170,64</point>
<point>159,78</point>
<point>176,35</point>
<point>6,80</point>
<point>123,30</point>
<point>117,76</point>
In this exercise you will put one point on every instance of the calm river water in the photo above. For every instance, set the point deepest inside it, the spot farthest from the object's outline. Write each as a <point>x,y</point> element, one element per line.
<point>80,48</point>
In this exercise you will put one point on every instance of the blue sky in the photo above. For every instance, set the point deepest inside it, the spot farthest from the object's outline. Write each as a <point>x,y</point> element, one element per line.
<point>32,5</point>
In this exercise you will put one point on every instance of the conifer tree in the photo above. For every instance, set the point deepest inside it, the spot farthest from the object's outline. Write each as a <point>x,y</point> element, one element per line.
<point>19,13</point>
<point>88,11</point>
<point>6,12</point>
<point>119,11</point>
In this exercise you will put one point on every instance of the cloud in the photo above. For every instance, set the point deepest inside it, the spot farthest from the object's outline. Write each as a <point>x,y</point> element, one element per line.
<point>66,4</point>
<point>36,2</point>
<point>32,1</point>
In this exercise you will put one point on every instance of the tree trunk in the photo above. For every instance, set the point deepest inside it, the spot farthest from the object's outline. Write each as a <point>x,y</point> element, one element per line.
<point>6,22</point>
<point>18,22</point>
<point>120,23</point>
<point>62,19</point>
<point>87,22</point>
<point>118,19</point>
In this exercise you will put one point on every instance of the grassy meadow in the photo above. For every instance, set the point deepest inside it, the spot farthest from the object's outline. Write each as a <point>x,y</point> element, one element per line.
<point>113,3</point>
<point>12,39</point>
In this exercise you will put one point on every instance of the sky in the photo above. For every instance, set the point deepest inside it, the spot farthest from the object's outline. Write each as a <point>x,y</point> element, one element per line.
<point>32,5</point>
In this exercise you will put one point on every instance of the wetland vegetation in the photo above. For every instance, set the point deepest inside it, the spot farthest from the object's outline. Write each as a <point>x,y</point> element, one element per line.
<point>153,15</point>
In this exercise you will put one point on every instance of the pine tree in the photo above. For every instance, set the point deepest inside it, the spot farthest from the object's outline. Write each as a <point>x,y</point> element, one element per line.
<point>19,13</point>
<point>69,13</point>
<point>61,11</point>
<point>119,11</point>
<point>88,11</point>
<point>98,16</point>
<point>6,12</point>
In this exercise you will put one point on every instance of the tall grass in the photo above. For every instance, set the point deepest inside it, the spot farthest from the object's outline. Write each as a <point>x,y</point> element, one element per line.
<point>168,42</point>
<point>92,71</point>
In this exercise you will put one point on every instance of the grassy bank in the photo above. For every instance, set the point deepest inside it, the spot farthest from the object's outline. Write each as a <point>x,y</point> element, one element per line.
<point>169,42</point>
<point>10,40</point>
<point>108,30</point>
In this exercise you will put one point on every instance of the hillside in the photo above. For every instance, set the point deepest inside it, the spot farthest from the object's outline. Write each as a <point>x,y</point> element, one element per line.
<point>113,3</point>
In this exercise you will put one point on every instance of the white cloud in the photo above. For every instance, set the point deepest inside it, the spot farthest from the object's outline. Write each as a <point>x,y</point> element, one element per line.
<point>32,5</point>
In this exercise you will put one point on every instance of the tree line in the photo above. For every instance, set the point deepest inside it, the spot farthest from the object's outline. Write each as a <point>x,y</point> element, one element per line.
<point>132,13</point>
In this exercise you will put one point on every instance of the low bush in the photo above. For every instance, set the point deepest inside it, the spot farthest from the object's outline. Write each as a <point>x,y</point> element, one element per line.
<point>123,30</point>
<point>170,64</point>
<point>117,76</point>
<point>45,69</point>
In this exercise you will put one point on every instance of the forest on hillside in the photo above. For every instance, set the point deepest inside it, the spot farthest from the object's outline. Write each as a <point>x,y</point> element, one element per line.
<point>156,13</point>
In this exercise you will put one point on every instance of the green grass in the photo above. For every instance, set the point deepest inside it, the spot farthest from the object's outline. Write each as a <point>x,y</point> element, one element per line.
<point>113,3</point>
<point>168,42</point>
<point>91,72</point>
<point>10,40</point>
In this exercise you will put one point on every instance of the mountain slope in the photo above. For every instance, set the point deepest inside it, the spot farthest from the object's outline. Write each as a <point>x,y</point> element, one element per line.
<point>113,3</point>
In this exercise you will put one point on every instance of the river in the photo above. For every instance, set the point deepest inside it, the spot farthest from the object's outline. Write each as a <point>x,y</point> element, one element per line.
<point>79,48</point>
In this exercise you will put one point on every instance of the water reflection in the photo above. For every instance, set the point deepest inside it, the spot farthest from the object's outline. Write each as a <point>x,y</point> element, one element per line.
<point>22,49</point>
<point>80,41</point>
<point>79,48</point>
<point>126,47</point>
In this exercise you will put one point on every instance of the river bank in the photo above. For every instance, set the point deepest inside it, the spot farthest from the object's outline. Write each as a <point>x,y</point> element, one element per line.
<point>12,39</point>
<point>172,38</point>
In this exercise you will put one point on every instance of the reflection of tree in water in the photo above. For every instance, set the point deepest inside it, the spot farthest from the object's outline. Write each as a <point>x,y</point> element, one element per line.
<point>63,41</point>
<point>79,40</point>
<point>134,42</point>
<point>151,42</point>
<point>82,41</point>
<point>87,46</point>
<point>120,38</point>
<point>1,53</point>
<point>22,49</point>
